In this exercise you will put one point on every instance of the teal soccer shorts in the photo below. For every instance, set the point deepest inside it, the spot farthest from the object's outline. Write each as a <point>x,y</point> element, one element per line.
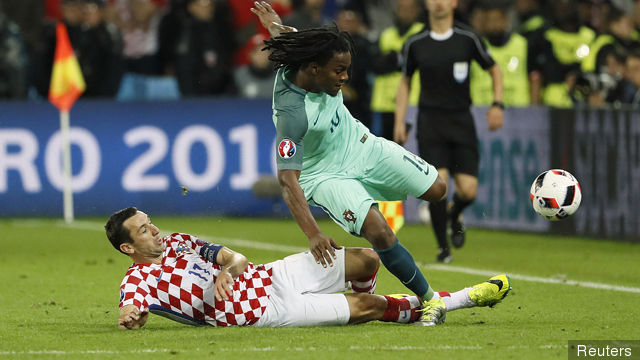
<point>390,172</point>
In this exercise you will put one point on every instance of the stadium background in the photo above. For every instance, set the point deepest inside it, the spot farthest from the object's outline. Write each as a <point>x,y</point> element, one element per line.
<point>141,153</point>
<point>150,134</point>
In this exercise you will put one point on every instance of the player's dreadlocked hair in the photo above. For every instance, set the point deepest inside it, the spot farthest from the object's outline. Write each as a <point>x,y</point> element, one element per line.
<point>298,49</point>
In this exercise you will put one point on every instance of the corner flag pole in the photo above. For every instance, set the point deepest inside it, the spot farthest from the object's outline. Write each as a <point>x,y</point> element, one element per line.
<point>67,84</point>
<point>66,167</point>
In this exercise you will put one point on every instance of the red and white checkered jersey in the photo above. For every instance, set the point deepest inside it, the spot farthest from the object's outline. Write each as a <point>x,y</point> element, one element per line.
<point>181,287</point>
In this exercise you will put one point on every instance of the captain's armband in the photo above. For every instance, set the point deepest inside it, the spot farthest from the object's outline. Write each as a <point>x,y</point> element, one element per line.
<point>210,252</point>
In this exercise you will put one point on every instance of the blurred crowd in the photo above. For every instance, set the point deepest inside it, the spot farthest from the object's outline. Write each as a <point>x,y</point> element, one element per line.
<point>554,52</point>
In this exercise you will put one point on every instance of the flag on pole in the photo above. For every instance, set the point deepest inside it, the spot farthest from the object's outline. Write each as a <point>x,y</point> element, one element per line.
<point>393,212</point>
<point>67,83</point>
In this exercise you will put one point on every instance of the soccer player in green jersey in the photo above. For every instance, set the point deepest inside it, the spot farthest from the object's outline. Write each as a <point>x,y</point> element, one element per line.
<point>327,158</point>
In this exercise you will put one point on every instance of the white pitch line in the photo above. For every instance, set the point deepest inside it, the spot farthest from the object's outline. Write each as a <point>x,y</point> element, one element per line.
<point>586,284</point>
<point>84,352</point>
<point>88,225</point>
<point>281,349</point>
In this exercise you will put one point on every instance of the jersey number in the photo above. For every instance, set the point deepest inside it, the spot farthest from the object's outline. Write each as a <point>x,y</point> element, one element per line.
<point>197,271</point>
<point>418,163</point>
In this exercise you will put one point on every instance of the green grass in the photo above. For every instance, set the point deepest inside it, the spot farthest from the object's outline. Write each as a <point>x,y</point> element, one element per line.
<point>59,297</point>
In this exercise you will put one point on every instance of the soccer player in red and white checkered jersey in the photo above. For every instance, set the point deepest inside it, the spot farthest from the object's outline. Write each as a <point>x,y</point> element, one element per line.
<point>191,281</point>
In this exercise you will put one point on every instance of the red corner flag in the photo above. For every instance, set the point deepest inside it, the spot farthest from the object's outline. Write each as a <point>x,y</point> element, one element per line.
<point>67,83</point>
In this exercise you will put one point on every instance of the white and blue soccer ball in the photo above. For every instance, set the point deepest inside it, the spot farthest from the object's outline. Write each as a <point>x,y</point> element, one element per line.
<point>555,194</point>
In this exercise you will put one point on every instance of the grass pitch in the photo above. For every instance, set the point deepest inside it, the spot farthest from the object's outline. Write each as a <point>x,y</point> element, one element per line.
<point>60,287</point>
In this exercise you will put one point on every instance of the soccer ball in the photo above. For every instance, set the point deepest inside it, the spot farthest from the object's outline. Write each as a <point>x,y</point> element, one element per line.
<point>555,194</point>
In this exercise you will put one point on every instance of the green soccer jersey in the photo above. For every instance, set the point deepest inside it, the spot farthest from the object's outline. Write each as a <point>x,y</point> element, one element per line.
<point>315,132</point>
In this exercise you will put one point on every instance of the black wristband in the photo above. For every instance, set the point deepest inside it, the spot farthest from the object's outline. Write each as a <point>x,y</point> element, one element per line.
<point>499,104</point>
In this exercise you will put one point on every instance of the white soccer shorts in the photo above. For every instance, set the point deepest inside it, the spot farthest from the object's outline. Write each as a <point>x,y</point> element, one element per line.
<point>304,293</point>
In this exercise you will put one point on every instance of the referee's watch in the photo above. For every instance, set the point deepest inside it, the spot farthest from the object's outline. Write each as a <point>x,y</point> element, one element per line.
<point>499,104</point>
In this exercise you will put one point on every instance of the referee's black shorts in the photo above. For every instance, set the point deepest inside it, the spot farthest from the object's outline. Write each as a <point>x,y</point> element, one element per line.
<point>448,139</point>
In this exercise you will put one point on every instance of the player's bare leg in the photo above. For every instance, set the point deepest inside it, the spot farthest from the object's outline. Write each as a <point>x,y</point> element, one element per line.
<point>409,309</point>
<point>361,269</point>
<point>360,262</point>
<point>367,307</point>
<point>437,191</point>
<point>376,230</point>
<point>392,254</point>
<point>401,264</point>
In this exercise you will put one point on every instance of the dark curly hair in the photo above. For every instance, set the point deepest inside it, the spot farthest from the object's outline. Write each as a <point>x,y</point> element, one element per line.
<point>299,49</point>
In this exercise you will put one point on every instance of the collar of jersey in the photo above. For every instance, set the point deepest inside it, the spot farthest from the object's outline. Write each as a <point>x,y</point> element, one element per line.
<point>290,84</point>
<point>441,37</point>
<point>143,265</point>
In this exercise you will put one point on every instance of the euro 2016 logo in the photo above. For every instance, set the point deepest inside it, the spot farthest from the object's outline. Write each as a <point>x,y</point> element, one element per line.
<point>286,149</point>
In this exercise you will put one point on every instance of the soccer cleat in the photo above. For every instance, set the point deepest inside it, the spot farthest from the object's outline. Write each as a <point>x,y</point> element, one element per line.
<point>444,256</point>
<point>490,292</point>
<point>434,312</point>
<point>457,233</point>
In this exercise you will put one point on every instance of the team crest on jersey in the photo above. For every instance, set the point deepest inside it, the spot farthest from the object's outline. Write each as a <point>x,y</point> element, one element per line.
<point>460,71</point>
<point>286,149</point>
<point>183,250</point>
<point>349,216</point>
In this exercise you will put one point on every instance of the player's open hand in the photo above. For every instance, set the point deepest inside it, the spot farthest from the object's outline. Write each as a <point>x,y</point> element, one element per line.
<point>223,288</point>
<point>495,118</point>
<point>133,319</point>
<point>269,18</point>
<point>322,247</point>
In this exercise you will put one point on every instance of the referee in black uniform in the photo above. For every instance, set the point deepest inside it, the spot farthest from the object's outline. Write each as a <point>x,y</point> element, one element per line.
<point>446,132</point>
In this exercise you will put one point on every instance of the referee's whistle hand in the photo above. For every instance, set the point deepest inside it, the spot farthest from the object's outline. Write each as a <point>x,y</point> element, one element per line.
<point>400,137</point>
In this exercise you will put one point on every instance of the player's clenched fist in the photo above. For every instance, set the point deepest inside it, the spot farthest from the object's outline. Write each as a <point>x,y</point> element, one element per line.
<point>223,288</point>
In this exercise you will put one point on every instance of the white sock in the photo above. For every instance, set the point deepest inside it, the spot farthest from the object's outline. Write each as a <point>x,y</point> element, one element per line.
<point>457,300</point>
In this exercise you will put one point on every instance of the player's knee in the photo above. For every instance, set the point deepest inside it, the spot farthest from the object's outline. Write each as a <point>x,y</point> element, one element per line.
<point>371,261</point>
<point>380,236</point>
<point>376,230</point>
<point>436,192</point>
<point>440,189</point>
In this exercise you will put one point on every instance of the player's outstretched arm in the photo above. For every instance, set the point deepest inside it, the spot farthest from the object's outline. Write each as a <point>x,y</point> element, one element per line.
<point>321,246</point>
<point>270,19</point>
<point>233,264</point>
<point>132,318</point>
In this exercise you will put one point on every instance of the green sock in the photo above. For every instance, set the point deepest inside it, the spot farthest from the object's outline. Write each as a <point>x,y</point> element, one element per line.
<point>428,295</point>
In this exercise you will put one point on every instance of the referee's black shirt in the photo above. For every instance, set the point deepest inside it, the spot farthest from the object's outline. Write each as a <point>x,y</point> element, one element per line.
<point>444,61</point>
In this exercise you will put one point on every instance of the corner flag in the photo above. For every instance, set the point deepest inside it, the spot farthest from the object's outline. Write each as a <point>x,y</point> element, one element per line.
<point>67,83</point>
<point>393,212</point>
